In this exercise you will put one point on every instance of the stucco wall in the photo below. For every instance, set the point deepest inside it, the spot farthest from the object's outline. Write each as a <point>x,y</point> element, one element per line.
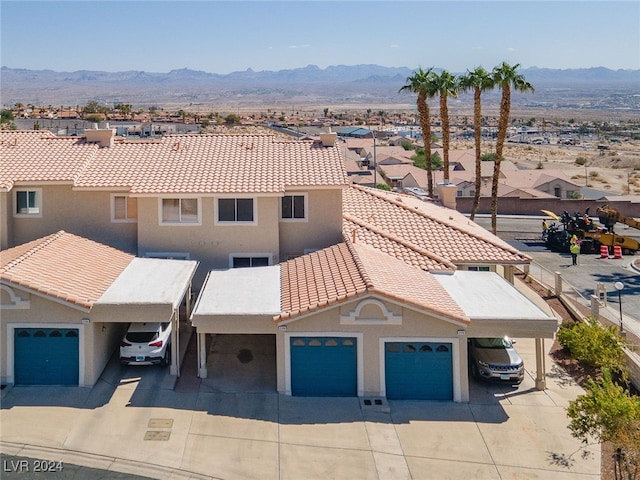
<point>87,214</point>
<point>322,228</point>
<point>5,238</point>
<point>208,242</point>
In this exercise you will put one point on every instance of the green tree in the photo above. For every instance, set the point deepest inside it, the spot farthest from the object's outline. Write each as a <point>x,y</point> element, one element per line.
<point>6,116</point>
<point>447,86</point>
<point>478,80</point>
<point>505,77</point>
<point>421,84</point>
<point>608,413</point>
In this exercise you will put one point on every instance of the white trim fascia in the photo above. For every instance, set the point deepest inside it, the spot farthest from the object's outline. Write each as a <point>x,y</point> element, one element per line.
<point>41,183</point>
<point>11,327</point>
<point>455,358</point>
<point>359,355</point>
<point>114,189</point>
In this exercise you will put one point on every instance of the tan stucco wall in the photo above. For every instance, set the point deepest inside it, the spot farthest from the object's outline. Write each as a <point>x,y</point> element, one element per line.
<point>87,214</point>
<point>322,228</point>
<point>259,324</point>
<point>208,243</point>
<point>5,238</point>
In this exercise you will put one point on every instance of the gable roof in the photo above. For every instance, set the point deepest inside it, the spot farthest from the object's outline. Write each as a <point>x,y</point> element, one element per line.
<point>188,163</point>
<point>405,227</point>
<point>64,266</point>
<point>347,271</point>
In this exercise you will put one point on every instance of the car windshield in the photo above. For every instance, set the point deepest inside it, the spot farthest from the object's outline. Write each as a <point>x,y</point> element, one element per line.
<point>142,337</point>
<point>493,342</point>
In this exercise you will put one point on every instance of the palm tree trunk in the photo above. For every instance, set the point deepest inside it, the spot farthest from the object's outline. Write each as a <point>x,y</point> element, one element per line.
<point>477,130</point>
<point>444,118</point>
<point>503,123</point>
<point>425,125</point>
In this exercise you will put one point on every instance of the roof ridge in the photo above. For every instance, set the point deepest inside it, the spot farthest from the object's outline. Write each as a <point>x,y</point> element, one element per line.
<point>404,243</point>
<point>383,197</point>
<point>359,265</point>
<point>36,248</point>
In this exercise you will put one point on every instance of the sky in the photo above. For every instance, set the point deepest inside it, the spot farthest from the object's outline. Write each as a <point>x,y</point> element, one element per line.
<point>234,35</point>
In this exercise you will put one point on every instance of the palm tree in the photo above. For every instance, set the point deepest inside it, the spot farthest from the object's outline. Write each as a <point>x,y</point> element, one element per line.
<point>447,86</point>
<point>478,80</point>
<point>505,76</point>
<point>421,83</point>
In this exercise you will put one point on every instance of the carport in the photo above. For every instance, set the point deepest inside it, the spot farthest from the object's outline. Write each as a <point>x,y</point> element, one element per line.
<point>149,290</point>
<point>236,301</point>
<point>496,308</point>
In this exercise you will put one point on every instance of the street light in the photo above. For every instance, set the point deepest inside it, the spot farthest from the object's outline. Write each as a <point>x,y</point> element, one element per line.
<point>619,286</point>
<point>375,164</point>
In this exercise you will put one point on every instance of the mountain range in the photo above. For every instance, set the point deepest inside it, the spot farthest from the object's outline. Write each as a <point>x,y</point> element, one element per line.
<point>339,84</point>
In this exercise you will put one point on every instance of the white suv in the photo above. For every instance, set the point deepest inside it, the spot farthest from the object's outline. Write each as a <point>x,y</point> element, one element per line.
<point>495,359</point>
<point>146,344</point>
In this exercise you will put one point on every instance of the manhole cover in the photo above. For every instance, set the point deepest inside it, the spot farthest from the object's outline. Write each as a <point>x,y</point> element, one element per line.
<point>160,423</point>
<point>157,435</point>
<point>245,355</point>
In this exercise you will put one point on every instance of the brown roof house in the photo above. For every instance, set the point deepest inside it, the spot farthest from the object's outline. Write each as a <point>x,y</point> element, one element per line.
<point>67,300</point>
<point>356,291</point>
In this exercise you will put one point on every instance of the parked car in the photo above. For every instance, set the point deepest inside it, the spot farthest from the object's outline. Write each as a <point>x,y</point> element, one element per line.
<point>147,343</point>
<point>495,359</point>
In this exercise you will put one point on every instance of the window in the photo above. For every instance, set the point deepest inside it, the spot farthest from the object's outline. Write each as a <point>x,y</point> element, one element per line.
<point>478,269</point>
<point>124,208</point>
<point>294,207</point>
<point>245,262</point>
<point>28,202</point>
<point>180,210</point>
<point>235,210</point>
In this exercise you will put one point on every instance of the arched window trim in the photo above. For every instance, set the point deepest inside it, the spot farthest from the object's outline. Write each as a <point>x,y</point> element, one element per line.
<point>354,316</point>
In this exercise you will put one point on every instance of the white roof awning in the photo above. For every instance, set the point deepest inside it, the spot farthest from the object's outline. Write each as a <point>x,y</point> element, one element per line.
<point>493,303</point>
<point>240,291</point>
<point>150,281</point>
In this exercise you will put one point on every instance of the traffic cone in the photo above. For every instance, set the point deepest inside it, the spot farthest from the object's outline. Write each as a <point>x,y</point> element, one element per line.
<point>604,251</point>
<point>617,251</point>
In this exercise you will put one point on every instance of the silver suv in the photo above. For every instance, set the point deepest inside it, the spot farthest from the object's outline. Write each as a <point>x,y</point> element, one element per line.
<point>495,359</point>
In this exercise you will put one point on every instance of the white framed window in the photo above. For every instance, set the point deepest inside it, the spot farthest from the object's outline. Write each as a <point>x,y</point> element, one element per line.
<point>247,260</point>
<point>28,202</point>
<point>168,255</point>
<point>293,208</point>
<point>124,209</point>
<point>235,210</point>
<point>178,211</point>
<point>479,269</point>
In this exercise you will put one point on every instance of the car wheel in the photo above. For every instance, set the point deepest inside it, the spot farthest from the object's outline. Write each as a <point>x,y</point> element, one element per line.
<point>166,360</point>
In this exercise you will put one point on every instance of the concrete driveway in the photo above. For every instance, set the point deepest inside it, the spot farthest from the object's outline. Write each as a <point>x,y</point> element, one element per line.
<point>131,424</point>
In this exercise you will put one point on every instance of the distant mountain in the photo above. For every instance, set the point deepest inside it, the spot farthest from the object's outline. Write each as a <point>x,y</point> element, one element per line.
<point>344,84</point>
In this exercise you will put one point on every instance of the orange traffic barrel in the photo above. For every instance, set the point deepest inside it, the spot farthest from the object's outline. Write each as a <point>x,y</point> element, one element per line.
<point>617,251</point>
<point>604,251</point>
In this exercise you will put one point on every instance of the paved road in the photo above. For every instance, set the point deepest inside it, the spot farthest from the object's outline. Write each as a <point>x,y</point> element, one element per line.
<point>523,232</point>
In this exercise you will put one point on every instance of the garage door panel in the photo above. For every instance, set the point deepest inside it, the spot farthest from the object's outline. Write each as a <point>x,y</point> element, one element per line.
<point>46,356</point>
<point>323,366</point>
<point>418,370</point>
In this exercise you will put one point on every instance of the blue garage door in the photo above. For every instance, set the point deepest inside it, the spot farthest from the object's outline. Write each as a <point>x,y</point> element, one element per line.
<point>418,371</point>
<point>324,367</point>
<point>46,356</point>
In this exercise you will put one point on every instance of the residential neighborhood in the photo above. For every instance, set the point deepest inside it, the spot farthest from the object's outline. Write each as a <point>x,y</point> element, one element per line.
<point>371,267</point>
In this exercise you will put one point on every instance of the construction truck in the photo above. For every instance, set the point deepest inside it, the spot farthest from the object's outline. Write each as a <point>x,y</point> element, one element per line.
<point>590,234</point>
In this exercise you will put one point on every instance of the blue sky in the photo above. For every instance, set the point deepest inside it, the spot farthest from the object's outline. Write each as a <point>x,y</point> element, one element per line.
<point>226,36</point>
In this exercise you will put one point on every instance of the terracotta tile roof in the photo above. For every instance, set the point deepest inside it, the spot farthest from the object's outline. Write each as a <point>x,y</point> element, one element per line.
<point>215,164</point>
<point>64,266</point>
<point>175,164</point>
<point>34,156</point>
<point>346,271</point>
<point>447,235</point>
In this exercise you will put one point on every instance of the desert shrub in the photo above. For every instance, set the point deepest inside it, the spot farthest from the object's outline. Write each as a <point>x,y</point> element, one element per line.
<point>581,161</point>
<point>594,344</point>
